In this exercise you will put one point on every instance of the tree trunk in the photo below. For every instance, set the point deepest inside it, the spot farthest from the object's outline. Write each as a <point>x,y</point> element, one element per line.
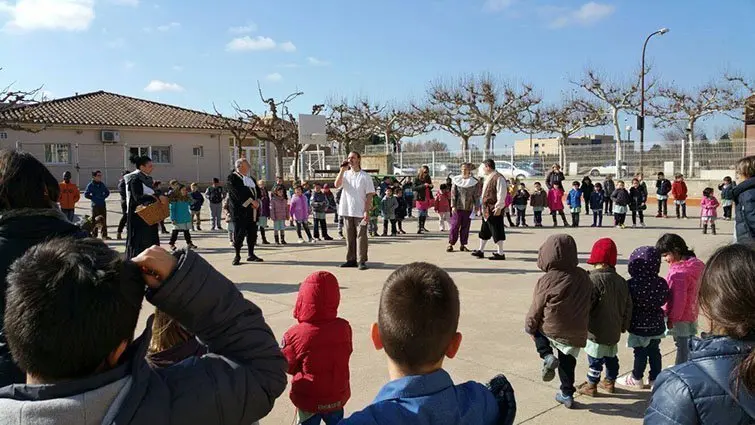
<point>691,148</point>
<point>617,135</point>
<point>562,151</point>
<point>387,135</point>
<point>488,139</point>
<point>464,144</point>
<point>279,153</point>
<point>296,165</point>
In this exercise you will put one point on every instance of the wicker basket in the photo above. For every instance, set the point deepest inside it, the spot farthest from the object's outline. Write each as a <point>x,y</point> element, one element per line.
<point>153,213</point>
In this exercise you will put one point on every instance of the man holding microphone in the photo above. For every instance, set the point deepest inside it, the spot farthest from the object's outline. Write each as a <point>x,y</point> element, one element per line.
<point>357,190</point>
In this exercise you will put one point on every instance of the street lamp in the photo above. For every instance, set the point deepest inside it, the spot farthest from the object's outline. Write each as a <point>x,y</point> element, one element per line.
<point>628,141</point>
<point>641,118</point>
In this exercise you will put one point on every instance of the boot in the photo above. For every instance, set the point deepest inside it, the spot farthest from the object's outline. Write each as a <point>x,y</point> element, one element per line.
<point>588,388</point>
<point>555,221</point>
<point>563,216</point>
<point>608,386</point>
<point>421,225</point>
<point>705,229</point>
<point>264,238</point>
<point>508,216</point>
<point>424,220</point>
<point>713,228</point>
<point>277,239</point>
<point>283,237</point>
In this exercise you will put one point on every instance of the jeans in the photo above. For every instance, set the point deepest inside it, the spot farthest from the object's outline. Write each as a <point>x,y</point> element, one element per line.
<point>393,227</point>
<point>682,349</point>
<point>321,225</point>
<point>608,206</point>
<point>575,219</point>
<point>197,215</point>
<point>683,210</point>
<point>566,363</point>
<point>597,218</point>
<point>619,219</point>
<point>538,217</point>
<point>521,217</point>
<point>643,355</point>
<point>727,212</point>
<point>330,418</point>
<point>69,214</point>
<point>662,207</point>
<point>596,368</point>
<point>216,213</point>
<point>635,214</point>
<point>299,225</point>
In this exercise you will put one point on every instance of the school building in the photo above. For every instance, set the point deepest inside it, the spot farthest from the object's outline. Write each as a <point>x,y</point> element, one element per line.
<point>101,130</point>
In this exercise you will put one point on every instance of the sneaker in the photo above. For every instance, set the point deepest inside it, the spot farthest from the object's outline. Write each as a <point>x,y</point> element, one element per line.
<point>550,364</point>
<point>498,257</point>
<point>313,240</point>
<point>634,225</point>
<point>477,253</point>
<point>588,388</point>
<point>659,216</point>
<point>300,240</point>
<point>350,265</point>
<point>327,238</point>
<point>192,246</point>
<point>362,266</point>
<point>608,386</point>
<point>629,381</point>
<point>566,400</point>
<point>592,225</point>
<point>643,225</point>
<point>623,226</point>
<point>254,259</point>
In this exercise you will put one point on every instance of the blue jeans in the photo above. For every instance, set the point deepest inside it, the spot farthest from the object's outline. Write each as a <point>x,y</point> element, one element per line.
<point>596,368</point>
<point>643,355</point>
<point>682,349</point>
<point>330,418</point>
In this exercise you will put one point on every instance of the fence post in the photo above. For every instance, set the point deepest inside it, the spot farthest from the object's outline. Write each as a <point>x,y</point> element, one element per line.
<point>18,145</point>
<point>401,159</point>
<point>681,169</point>
<point>432,173</point>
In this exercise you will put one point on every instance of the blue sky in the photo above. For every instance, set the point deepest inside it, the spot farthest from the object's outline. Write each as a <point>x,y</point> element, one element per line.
<point>194,53</point>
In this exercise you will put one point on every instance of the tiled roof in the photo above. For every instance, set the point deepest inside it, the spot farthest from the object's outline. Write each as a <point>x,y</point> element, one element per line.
<point>106,109</point>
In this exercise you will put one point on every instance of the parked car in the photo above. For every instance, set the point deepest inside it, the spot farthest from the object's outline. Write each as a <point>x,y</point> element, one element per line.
<point>511,171</point>
<point>609,168</point>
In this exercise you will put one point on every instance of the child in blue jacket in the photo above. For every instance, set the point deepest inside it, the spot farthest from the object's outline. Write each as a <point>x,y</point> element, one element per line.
<point>597,200</point>
<point>180,215</point>
<point>574,200</point>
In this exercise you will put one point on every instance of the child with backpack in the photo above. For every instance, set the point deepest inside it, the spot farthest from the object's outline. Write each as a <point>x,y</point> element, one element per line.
<point>597,201</point>
<point>318,349</point>
<point>180,215</point>
<point>709,210</point>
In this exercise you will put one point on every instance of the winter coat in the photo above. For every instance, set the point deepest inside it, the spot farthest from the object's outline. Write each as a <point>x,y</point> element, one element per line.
<point>20,230</point>
<point>611,307</point>
<point>587,189</point>
<point>278,208</point>
<point>521,197</point>
<point>561,303</point>
<point>609,186</point>
<point>180,211</point>
<point>318,347</point>
<point>122,189</point>
<point>299,209</point>
<point>621,197</point>
<point>388,206</point>
<point>401,209</point>
<point>215,194</point>
<point>264,202</point>
<point>574,199</point>
<point>97,192</point>
<point>69,196</point>
<point>376,207</point>
<point>539,198</point>
<point>727,191</point>
<point>597,199</point>
<point>419,188</point>
<point>554,177</point>
<point>178,353</point>
<point>637,199</point>
<point>442,202</point>
<point>319,202</point>
<point>649,292</point>
<point>744,198</point>
<point>197,200</point>
<point>709,207</point>
<point>679,190</point>
<point>684,282</point>
<point>663,187</point>
<point>702,390</point>
<point>556,200</point>
<point>236,384</point>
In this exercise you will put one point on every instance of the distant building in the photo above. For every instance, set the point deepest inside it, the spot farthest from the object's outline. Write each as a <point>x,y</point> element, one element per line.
<point>750,125</point>
<point>549,145</point>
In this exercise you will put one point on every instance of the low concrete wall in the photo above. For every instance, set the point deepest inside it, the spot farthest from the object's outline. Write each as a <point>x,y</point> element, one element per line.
<point>381,162</point>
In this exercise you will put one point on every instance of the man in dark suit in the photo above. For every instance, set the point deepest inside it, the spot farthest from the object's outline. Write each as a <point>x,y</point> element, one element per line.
<point>243,204</point>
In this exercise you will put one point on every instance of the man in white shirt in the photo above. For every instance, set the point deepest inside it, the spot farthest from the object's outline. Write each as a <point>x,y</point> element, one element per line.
<point>357,190</point>
<point>494,192</point>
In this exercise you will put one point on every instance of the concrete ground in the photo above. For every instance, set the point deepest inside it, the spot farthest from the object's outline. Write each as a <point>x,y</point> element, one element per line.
<point>495,297</point>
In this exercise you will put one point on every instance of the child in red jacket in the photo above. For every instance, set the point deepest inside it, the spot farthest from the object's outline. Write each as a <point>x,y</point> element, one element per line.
<point>443,206</point>
<point>679,191</point>
<point>318,350</point>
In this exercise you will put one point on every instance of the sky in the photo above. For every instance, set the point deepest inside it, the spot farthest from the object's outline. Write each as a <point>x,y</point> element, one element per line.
<point>200,53</point>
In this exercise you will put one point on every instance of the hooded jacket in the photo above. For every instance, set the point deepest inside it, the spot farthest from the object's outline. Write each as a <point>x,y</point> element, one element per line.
<point>465,192</point>
<point>442,202</point>
<point>621,197</point>
<point>744,197</point>
<point>727,191</point>
<point>556,199</point>
<point>637,198</point>
<point>684,282</point>
<point>539,198</point>
<point>611,306</point>
<point>649,292</point>
<point>20,230</point>
<point>679,190</point>
<point>236,384</point>
<point>388,207</point>
<point>702,390</point>
<point>609,186</point>
<point>299,209</point>
<point>561,303</point>
<point>597,199</point>
<point>318,348</point>
<point>662,187</point>
<point>709,207</point>
<point>319,202</point>
<point>278,208</point>
<point>574,199</point>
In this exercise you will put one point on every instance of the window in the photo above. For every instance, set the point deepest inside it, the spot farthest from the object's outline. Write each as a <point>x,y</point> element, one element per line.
<point>57,153</point>
<point>161,154</point>
<point>138,151</point>
<point>198,151</point>
<point>3,135</point>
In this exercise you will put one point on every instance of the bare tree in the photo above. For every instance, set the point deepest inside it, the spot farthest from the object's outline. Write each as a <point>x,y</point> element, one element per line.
<point>432,145</point>
<point>14,115</point>
<point>448,109</point>
<point>673,106</point>
<point>398,123</point>
<point>566,119</point>
<point>352,122</point>
<point>616,97</point>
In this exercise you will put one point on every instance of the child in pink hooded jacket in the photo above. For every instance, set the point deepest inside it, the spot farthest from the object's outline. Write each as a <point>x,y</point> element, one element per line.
<point>556,202</point>
<point>709,210</point>
<point>300,213</point>
<point>684,274</point>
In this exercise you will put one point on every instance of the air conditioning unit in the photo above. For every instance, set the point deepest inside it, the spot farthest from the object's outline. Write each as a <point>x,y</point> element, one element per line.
<point>109,136</point>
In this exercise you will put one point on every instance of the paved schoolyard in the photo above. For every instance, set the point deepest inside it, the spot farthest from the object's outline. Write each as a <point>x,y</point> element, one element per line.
<point>495,297</point>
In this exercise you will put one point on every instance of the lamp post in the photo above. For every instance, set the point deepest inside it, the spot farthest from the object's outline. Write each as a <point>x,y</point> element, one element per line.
<point>641,118</point>
<point>626,142</point>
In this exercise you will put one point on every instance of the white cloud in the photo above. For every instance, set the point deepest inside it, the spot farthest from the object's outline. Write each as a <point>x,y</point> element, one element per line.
<point>129,65</point>
<point>132,3</point>
<point>158,86</point>
<point>30,15</point>
<point>498,5</point>
<point>587,14</point>
<point>274,77</point>
<point>317,62</point>
<point>243,29</point>
<point>168,27</point>
<point>178,68</point>
<point>118,43</point>
<point>287,46</point>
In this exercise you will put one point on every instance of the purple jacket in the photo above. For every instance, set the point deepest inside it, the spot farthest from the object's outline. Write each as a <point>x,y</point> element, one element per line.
<point>299,208</point>
<point>264,203</point>
<point>278,208</point>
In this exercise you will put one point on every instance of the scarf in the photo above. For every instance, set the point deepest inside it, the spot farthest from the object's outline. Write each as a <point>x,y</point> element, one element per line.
<point>462,182</point>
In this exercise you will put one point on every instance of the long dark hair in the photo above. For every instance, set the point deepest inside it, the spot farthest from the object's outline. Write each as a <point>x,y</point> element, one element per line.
<point>140,160</point>
<point>25,182</point>
<point>671,242</point>
<point>727,298</point>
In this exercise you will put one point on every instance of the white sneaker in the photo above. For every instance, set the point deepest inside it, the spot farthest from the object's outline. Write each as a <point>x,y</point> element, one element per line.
<point>643,225</point>
<point>629,381</point>
<point>301,240</point>
<point>313,240</point>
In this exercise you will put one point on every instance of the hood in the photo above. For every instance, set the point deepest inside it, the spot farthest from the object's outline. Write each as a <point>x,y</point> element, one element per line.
<point>460,181</point>
<point>35,224</point>
<point>604,252</point>
<point>645,262</point>
<point>744,186</point>
<point>559,252</point>
<point>318,299</point>
<point>692,266</point>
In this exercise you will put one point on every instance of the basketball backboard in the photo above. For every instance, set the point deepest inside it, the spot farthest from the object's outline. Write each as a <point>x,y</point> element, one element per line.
<point>312,129</point>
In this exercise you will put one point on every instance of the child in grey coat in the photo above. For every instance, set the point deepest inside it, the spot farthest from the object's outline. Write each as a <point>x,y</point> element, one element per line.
<point>388,210</point>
